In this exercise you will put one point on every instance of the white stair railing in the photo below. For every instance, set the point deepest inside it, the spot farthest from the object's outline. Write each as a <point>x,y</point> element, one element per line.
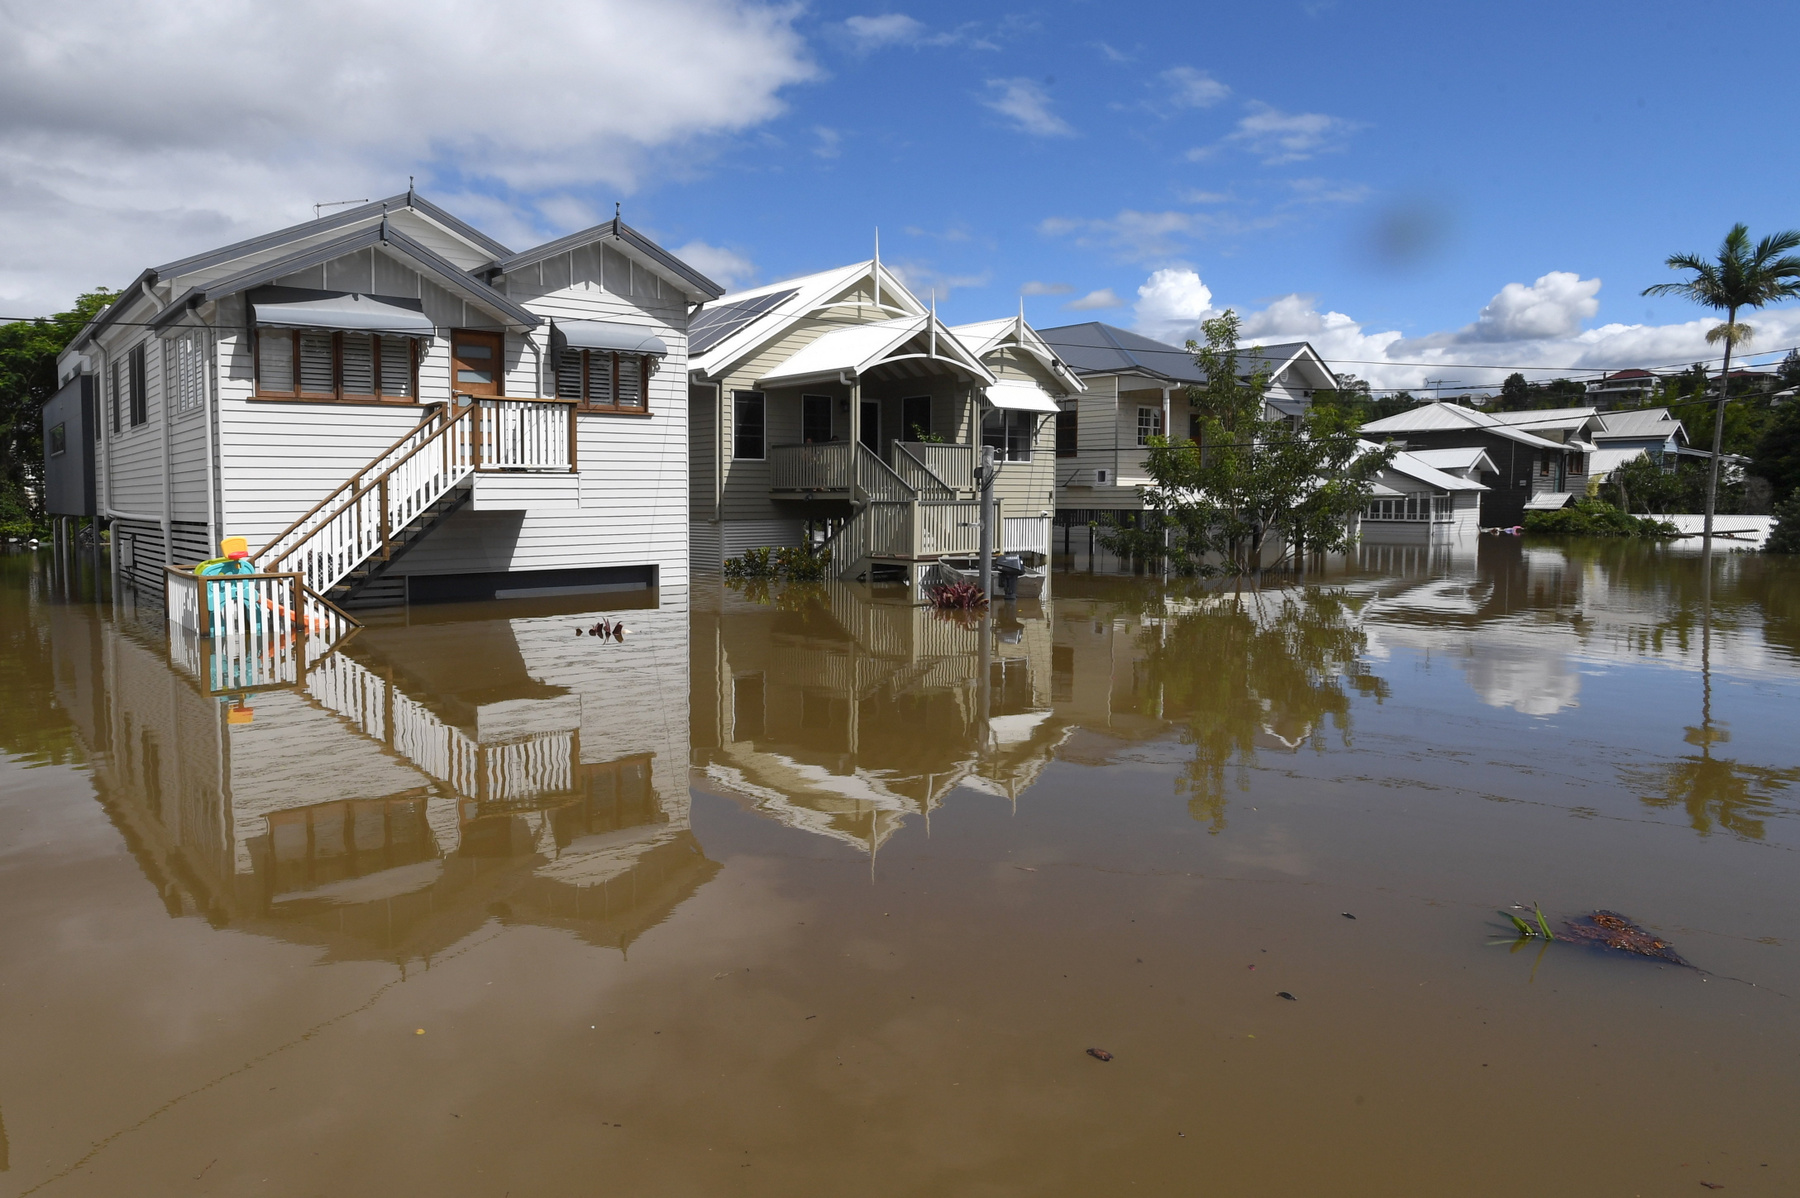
<point>363,522</point>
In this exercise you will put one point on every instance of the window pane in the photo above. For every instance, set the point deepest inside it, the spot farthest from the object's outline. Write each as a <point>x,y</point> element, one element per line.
<point>1018,436</point>
<point>815,419</point>
<point>568,375</point>
<point>359,364</point>
<point>275,360</point>
<point>747,424</point>
<point>600,378</point>
<point>396,365</point>
<point>631,381</point>
<point>993,432</point>
<point>469,351</point>
<point>315,364</point>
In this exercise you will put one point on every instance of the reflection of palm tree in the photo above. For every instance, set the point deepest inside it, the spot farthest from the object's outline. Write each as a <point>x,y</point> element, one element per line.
<point>1713,790</point>
<point>1270,665</point>
<point>1716,792</point>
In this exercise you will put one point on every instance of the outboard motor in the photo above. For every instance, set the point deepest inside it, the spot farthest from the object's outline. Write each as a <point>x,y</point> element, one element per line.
<point>1010,566</point>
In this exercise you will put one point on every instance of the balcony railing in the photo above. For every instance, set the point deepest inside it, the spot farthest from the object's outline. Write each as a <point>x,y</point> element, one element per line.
<point>954,464</point>
<point>825,467</point>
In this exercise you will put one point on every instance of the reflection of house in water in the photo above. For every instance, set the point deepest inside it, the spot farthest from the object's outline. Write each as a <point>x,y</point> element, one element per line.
<point>424,778</point>
<point>843,716</point>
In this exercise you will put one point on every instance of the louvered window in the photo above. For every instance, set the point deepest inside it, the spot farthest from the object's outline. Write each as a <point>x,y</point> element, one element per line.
<point>184,373</point>
<point>348,366</point>
<point>602,381</point>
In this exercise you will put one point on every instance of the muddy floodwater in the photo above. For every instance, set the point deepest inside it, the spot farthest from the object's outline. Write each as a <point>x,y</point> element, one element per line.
<point>814,893</point>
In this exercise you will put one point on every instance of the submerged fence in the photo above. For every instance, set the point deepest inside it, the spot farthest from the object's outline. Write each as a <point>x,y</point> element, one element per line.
<point>246,632</point>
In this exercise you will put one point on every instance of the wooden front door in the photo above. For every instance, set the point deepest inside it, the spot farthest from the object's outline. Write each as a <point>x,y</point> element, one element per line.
<point>475,363</point>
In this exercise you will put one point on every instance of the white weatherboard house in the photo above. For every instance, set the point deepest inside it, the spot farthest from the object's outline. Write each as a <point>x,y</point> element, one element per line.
<point>1137,389</point>
<point>1427,497</point>
<point>397,407</point>
<point>839,403</point>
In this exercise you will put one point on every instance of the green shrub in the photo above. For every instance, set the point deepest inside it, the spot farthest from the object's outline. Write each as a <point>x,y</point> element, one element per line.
<point>1596,518</point>
<point>789,563</point>
<point>1785,536</point>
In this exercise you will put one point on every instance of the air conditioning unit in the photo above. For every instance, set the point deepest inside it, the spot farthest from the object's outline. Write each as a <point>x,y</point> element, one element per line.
<point>1102,478</point>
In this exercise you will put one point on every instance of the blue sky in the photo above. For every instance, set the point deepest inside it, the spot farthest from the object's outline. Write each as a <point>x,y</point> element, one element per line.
<point>1488,184</point>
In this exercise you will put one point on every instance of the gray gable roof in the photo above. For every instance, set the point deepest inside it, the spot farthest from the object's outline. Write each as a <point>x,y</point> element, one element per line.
<point>338,220</point>
<point>616,230</point>
<point>1098,348</point>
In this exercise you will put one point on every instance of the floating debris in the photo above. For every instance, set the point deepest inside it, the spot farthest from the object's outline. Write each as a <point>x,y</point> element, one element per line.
<point>1286,995</point>
<point>1346,915</point>
<point>1099,1054</point>
<point>1609,929</point>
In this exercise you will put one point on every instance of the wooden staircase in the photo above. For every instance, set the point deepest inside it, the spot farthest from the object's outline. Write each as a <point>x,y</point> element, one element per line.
<point>353,537</point>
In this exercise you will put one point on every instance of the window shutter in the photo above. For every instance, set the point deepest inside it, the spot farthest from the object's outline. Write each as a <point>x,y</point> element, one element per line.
<point>568,375</point>
<point>316,373</point>
<point>600,379</point>
<point>631,382</point>
<point>275,361</point>
<point>397,366</point>
<point>358,364</point>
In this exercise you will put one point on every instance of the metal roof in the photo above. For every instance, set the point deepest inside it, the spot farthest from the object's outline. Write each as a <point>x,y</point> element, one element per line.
<point>1445,417</point>
<point>338,220</point>
<point>292,308</point>
<point>441,271</point>
<point>858,348</point>
<point>607,335</point>
<point>1099,348</point>
<point>1020,396</point>
<point>616,230</point>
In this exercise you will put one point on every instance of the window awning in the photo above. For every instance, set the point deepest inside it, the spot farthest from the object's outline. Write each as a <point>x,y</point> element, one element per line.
<point>1548,501</point>
<point>605,334</point>
<point>1019,396</point>
<point>348,313</point>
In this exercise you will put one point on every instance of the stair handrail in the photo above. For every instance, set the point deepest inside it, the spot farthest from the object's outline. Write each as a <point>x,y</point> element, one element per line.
<point>929,473</point>
<point>879,479</point>
<point>378,486</point>
<point>436,412</point>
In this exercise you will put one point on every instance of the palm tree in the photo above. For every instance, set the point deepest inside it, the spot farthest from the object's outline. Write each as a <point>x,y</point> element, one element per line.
<point>1743,277</point>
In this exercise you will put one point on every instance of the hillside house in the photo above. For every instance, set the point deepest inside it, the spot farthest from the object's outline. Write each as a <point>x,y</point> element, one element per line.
<point>1137,389</point>
<point>399,408</point>
<point>839,406</point>
<point>1540,458</point>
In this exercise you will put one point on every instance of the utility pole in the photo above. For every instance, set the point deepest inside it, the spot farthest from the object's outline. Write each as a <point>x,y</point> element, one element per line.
<point>986,479</point>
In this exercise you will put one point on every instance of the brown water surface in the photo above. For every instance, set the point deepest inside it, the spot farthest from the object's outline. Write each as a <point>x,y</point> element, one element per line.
<point>812,893</point>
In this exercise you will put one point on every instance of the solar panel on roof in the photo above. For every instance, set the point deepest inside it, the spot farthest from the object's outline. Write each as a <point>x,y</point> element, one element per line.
<point>715,322</point>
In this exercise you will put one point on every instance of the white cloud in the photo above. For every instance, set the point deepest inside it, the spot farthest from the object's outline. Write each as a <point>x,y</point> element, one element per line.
<point>728,268</point>
<point>1554,306</point>
<point>1279,137</point>
<point>1185,87</point>
<point>1523,326</point>
<point>1096,301</point>
<point>1036,288</point>
<point>888,29</point>
<point>112,156</point>
<point>1171,304</point>
<point>830,142</point>
<point>1027,104</point>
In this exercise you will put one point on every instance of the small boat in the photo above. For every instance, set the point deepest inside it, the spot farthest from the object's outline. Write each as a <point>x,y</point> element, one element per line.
<point>1030,583</point>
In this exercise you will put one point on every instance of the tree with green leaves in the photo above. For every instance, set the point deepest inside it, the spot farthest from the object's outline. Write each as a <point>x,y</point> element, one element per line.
<point>28,350</point>
<point>1743,276</point>
<point>1515,392</point>
<point>1777,455</point>
<point>1214,502</point>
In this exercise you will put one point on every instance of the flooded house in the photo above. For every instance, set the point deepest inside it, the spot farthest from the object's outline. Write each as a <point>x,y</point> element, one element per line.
<point>1431,496</point>
<point>1541,458</point>
<point>1136,388</point>
<point>838,407</point>
<point>409,788</point>
<point>395,405</point>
